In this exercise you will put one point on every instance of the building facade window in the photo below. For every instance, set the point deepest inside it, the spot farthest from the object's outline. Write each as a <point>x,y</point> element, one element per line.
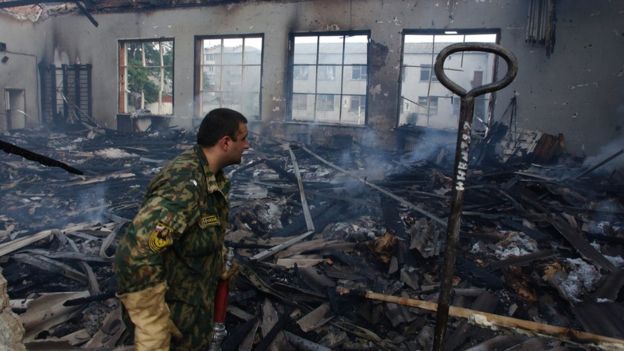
<point>358,103</point>
<point>425,73</point>
<point>424,101</point>
<point>300,102</point>
<point>325,102</point>
<point>229,74</point>
<point>301,73</point>
<point>429,104</point>
<point>326,73</point>
<point>335,84</point>
<point>146,76</point>
<point>359,73</point>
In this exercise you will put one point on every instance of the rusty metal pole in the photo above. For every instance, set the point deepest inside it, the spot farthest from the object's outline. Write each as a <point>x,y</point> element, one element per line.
<point>461,165</point>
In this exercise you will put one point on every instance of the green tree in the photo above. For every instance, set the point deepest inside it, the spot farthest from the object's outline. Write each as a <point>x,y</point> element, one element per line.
<point>146,78</point>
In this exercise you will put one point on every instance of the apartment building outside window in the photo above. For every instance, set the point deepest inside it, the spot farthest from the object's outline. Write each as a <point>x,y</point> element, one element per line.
<point>228,74</point>
<point>146,76</point>
<point>424,101</point>
<point>329,77</point>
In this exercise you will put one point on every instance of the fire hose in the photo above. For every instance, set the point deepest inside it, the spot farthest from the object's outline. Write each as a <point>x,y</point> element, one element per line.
<point>220,304</point>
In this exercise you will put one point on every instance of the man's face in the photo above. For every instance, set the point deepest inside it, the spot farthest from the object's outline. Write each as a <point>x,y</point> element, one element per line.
<point>236,147</point>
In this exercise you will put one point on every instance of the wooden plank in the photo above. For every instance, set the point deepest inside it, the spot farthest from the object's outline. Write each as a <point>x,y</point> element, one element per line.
<point>496,322</point>
<point>304,344</point>
<point>94,287</point>
<point>50,265</point>
<point>109,333</point>
<point>304,201</point>
<point>17,244</point>
<point>582,246</point>
<point>272,251</point>
<point>299,261</point>
<point>47,311</point>
<point>316,318</point>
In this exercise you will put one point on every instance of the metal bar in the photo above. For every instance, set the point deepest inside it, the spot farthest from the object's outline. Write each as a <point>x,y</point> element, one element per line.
<point>77,97</point>
<point>89,90</point>
<point>65,93</point>
<point>461,165</point>
<point>454,220</point>
<point>431,73</point>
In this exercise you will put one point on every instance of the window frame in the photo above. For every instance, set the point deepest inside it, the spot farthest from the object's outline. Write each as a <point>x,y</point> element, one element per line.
<point>457,31</point>
<point>198,69</point>
<point>342,95</point>
<point>122,65</point>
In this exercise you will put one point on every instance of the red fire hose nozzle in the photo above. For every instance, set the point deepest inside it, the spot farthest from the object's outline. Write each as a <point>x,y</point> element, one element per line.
<point>220,305</point>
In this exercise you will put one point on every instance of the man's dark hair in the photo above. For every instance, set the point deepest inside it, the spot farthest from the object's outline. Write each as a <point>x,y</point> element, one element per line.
<point>217,124</point>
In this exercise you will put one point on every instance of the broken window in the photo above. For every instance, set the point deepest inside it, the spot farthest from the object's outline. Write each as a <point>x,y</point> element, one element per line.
<point>424,100</point>
<point>146,76</point>
<point>329,78</point>
<point>229,73</point>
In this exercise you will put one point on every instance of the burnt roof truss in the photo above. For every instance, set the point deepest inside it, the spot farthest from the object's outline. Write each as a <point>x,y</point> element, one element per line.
<point>83,6</point>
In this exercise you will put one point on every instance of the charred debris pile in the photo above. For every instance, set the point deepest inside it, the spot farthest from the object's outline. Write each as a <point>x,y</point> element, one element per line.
<point>538,243</point>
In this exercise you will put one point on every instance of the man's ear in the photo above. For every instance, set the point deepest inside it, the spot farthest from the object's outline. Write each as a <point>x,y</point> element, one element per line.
<point>225,142</point>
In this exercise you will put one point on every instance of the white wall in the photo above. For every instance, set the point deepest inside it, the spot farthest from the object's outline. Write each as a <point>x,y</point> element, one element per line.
<point>26,44</point>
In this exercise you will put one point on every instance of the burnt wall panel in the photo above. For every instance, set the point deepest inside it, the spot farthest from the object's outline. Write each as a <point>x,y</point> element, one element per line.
<point>576,91</point>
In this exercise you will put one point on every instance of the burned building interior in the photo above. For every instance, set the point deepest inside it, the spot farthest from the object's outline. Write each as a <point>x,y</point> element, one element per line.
<point>378,208</point>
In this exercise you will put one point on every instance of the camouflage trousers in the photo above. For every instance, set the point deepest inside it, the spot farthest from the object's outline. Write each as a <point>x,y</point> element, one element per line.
<point>194,322</point>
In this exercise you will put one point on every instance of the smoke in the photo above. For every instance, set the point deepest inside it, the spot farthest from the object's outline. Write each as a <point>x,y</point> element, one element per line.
<point>606,151</point>
<point>92,204</point>
<point>432,145</point>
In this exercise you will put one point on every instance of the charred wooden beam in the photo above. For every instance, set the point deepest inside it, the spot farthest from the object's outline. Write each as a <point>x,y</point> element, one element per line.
<point>17,3</point>
<point>84,11</point>
<point>33,156</point>
<point>304,201</point>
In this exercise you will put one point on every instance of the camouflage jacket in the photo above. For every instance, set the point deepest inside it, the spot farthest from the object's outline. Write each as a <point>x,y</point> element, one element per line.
<point>178,234</point>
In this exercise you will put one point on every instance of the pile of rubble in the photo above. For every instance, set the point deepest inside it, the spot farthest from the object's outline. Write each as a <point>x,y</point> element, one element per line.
<point>310,224</point>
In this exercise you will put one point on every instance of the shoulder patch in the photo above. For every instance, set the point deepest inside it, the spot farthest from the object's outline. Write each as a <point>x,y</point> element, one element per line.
<point>208,221</point>
<point>160,238</point>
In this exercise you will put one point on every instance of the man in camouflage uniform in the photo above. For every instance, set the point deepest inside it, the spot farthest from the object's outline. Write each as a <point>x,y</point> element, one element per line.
<point>170,259</point>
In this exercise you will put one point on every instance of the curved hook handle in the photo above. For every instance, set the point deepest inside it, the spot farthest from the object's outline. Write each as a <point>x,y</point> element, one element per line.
<point>512,68</point>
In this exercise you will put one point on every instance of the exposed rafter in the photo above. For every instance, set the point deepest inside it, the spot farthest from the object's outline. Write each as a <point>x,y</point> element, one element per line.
<point>81,6</point>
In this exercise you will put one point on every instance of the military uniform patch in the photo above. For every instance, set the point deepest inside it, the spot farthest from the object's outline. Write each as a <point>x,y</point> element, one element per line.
<point>208,221</point>
<point>160,238</point>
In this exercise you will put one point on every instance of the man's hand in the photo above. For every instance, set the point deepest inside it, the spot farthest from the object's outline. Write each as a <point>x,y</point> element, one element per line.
<point>150,314</point>
<point>229,273</point>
